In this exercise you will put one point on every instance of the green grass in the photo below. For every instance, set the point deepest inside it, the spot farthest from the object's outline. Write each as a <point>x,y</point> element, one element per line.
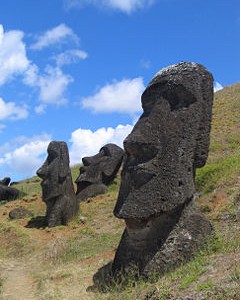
<point>29,186</point>
<point>221,293</point>
<point>75,171</point>
<point>205,286</point>
<point>87,244</point>
<point>14,242</point>
<point>219,173</point>
<point>235,274</point>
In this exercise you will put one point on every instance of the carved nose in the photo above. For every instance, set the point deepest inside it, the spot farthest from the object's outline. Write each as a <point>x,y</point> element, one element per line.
<point>41,173</point>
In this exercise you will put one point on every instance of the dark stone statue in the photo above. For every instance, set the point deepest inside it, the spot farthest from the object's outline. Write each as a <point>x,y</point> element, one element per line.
<point>8,193</point>
<point>98,171</point>
<point>167,144</point>
<point>5,181</point>
<point>57,186</point>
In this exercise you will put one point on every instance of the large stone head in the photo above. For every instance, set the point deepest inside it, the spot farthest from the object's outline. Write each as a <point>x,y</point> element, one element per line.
<point>54,171</point>
<point>167,144</point>
<point>100,168</point>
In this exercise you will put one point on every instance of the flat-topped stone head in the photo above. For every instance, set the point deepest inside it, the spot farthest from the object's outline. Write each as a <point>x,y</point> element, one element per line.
<point>98,171</point>
<point>167,144</point>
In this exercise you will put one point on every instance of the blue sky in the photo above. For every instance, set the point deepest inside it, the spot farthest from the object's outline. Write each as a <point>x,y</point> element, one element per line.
<point>74,70</point>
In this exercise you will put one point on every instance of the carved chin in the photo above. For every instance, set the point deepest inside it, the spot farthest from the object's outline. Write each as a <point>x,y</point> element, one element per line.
<point>50,193</point>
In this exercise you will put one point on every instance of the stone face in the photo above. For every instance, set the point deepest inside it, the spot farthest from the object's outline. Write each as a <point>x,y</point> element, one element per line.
<point>57,186</point>
<point>167,144</point>
<point>8,193</point>
<point>98,171</point>
<point>5,181</point>
<point>20,213</point>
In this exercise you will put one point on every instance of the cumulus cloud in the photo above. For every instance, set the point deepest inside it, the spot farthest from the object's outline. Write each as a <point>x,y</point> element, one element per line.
<point>9,110</point>
<point>52,85</point>
<point>70,56</point>
<point>13,59</point>
<point>16,161</point>
<point>56,35</point>
<point>85,142</point>
<point>120,96</point>
<point>126,6</point>
<point>217,87</point>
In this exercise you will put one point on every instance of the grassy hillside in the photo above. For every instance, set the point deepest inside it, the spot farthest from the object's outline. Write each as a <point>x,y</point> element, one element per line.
<point>59,263</point>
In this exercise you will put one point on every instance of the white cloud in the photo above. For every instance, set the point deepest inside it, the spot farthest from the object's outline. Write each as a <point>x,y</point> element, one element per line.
<point>126,6</point>
<point>85,142</point>
<point>25,159</point>
<point>13,59</point>
<point>56,35</point>
<point>9,110</point>
<point>217,87</point>
<point>52,85</point>
<point>120,96</point>
<point>70,56</point>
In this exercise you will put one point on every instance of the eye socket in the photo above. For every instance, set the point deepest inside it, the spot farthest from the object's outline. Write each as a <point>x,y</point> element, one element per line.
<point>141,152</point>
<point>52,155</point>
<point>176,94</point>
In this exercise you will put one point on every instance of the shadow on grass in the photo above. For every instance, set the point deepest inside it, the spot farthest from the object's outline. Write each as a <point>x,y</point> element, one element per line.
<point>37,222</point>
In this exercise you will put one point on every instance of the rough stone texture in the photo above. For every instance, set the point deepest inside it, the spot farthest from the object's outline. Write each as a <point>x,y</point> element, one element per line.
<point>91,190</point>
<point>5,181</point>
<point>20,213</point>
<point>57,186</point>
<point>8,193</point>
<point>167,144</point>
<point>98,171</point>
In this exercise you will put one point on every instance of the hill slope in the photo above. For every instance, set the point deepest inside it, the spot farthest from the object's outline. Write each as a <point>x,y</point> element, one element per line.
<point>59,263</point>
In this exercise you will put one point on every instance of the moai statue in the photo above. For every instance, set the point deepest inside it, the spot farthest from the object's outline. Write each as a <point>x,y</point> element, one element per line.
<point>167,144</point>
<point>57,186</point>
<point>8,193</point>
<point>98,171</point>
<point>5,181</point>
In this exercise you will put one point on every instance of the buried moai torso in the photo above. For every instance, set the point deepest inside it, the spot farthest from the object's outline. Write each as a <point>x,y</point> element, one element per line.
<point>98,171</point>
<point>167,144</point>
<point>6,192</point>
<point>57,186</point>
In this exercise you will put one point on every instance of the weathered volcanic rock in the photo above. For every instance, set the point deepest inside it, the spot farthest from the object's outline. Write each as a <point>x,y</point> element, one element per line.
<point>8,193</point>
<point>98,171</point>
<point>5,181</point>
<point>57,186</point>
<point>20,213</point>
<point>91,190</point>
<point>167,144</point>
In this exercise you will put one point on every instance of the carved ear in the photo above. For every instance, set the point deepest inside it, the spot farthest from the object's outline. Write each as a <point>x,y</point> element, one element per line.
<point>203,138</point>
<point>64,161</point>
